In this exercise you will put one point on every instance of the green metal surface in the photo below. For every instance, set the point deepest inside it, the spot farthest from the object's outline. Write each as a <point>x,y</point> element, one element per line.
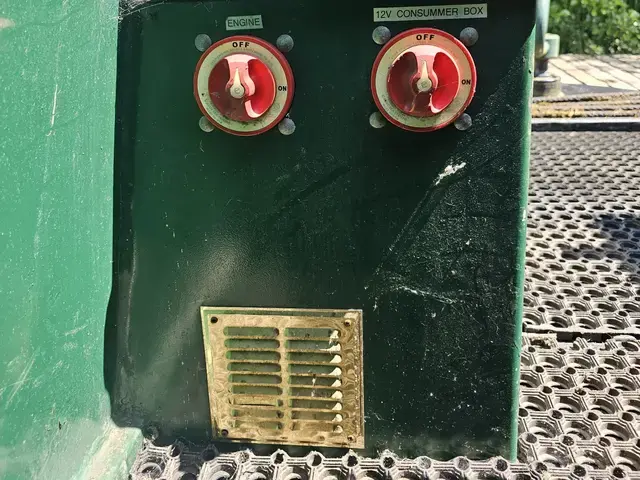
<point>337,215</point>
<point>57,93</point>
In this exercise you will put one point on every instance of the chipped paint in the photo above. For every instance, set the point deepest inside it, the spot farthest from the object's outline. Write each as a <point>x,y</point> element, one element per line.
<point>450,170</point>
<point>6,23</point>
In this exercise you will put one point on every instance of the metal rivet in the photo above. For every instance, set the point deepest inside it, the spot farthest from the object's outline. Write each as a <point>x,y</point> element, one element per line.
<point>381,35</point>
<point>287,126</point>
<point>347,323</point>
<point>377,120</point>
<point>464,122</point>
<point>284,43</point>
<point>469,36</point>
<point>205,125</point>
<point>202,42</point>
<point>337,429</point>
<point>224,433</point>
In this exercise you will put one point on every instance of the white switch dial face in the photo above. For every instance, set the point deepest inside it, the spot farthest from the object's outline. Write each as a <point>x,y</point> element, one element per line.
<point>394,49</point>
<point>271,58</point>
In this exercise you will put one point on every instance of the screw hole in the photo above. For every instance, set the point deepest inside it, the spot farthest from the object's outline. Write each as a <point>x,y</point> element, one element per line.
<point>423,463</point>
<point>594,417</point>
<point>462,463</point>
<point>214,319</point>
<point>579,471</point>
<point>388,462</point>
<point>208,454</point>
<point>501,465</point>
<point>568,441</point>
<point>619,473</point>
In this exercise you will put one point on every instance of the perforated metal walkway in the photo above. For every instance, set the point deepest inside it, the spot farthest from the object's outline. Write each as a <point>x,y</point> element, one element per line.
<point>583,250</point>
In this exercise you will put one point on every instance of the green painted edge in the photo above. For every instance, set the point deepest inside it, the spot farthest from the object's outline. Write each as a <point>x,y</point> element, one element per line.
<point>522,243</point>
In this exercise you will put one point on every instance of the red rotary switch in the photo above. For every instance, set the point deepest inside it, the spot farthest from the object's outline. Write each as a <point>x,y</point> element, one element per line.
<point>243,85</point>
<point>423,79</point>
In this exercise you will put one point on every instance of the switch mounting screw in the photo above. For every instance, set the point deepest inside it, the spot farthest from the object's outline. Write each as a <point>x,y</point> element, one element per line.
<point>381,35</point>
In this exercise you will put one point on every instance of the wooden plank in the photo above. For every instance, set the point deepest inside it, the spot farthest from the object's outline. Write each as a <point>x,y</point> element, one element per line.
<point>605,72</point>
<point>603,79</point>
<point>565,78</point>
<point>577,73</point>
<point>618,72</point>
<point>628,63</point>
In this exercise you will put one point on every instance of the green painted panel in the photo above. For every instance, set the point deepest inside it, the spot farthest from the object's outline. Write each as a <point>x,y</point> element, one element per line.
<point>57,94</point>
<point>337,215</point>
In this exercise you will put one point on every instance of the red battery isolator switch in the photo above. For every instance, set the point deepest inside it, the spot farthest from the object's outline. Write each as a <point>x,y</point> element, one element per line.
<point>423,79</point>
<point>243,85</point>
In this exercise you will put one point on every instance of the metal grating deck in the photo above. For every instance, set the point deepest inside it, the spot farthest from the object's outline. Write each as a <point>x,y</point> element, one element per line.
<point>580,383</point>
<point>583,250</point>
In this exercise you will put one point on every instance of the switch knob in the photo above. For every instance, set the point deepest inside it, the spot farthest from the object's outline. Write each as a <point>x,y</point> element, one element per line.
<point>243,85</point>
<point>423,79</point>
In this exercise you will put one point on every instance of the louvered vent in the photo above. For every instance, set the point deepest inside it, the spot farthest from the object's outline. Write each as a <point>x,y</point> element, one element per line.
<point>288,377</point>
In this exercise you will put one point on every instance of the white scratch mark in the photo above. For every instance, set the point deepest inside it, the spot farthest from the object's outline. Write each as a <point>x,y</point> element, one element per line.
<point>426,293</point>
<point>450,170</point>
<point>6,23</point>
<point>23,378</point>
<point>55,106</point>
<point>75,330</point>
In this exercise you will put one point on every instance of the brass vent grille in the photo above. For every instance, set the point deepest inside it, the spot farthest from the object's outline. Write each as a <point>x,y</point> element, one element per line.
<point>285,376</point>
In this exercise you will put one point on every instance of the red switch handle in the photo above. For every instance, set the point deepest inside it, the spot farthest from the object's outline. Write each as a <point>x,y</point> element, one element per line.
<point>242,87</point>
<point>423,81</point>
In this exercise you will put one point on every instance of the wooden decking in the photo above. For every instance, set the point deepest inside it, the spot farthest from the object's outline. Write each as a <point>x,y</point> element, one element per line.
<point>610,71</point>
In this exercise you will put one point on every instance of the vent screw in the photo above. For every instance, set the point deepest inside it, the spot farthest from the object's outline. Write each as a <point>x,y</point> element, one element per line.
<point>225,433</point>
<point>347,323</point>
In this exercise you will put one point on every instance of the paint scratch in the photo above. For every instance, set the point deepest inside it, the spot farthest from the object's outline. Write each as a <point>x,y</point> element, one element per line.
<point>450,170</point>
<point>21,380</point>
<point>75,330</point>
<point>55,106</point>
<point>427,294</point>
<point>6,23</point>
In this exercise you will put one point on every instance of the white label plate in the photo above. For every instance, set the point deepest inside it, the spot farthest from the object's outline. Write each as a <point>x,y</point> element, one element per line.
<point>246,22</point>
<point>434,12</point>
